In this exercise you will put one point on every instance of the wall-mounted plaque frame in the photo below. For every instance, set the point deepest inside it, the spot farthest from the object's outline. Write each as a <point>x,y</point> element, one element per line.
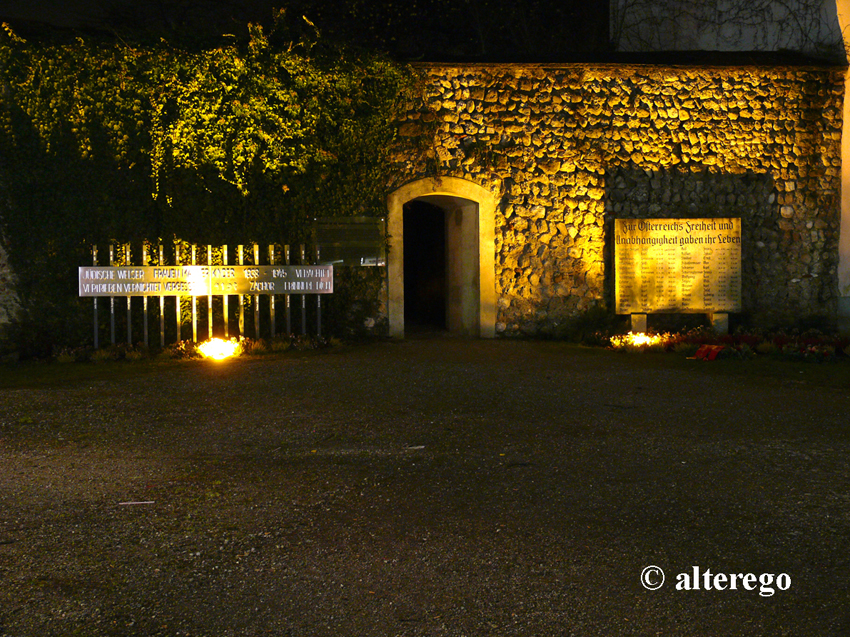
<point>351,241</point>
<point>677,265</point>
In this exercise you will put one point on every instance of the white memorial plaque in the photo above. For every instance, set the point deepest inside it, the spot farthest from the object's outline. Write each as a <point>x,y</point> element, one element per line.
<point>204,280</point>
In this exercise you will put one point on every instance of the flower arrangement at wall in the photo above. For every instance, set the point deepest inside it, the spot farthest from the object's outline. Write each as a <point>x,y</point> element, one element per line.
<point>809,345</point>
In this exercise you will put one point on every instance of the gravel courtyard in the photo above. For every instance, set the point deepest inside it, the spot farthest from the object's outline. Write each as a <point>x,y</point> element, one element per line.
<point>427,487</point>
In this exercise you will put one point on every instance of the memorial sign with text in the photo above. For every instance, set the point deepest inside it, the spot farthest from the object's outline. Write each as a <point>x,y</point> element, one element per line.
<point>204,280</point>
<point>677,265</point>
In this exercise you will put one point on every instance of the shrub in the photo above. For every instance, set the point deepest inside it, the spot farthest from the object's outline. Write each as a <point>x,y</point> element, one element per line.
<point>767,348</point>
<point>107,141</point>
<point>103,355</point>
<point>279,345</point>
<point>134,355</point>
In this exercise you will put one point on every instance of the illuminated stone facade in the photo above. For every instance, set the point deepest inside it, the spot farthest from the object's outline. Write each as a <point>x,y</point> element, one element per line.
<point>568,148</point>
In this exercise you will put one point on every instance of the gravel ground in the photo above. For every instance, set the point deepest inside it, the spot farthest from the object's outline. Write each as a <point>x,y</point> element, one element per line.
<point>427,487</point>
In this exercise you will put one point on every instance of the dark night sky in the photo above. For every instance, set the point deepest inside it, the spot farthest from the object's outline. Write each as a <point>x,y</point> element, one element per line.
<point>65,13</point>
<point>426,30</point>
<point>118,13</point>
<point>486,30</point>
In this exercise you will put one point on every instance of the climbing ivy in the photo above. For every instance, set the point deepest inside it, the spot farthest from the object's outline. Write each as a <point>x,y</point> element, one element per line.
<point>248,140</point>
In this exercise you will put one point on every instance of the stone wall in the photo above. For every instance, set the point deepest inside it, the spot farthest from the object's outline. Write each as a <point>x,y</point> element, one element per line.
<point>571,148</point>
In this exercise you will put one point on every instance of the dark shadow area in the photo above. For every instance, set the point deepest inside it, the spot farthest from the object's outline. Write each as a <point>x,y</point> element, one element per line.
<point>424,267</point>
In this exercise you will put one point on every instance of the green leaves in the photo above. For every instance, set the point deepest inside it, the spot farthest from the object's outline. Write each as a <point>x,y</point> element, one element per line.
<point>245,141</point>
<point>229,112</point>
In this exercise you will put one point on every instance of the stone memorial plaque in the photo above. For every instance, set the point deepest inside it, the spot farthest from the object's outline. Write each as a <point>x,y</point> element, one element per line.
<point>677,265</point>
<point>203,280</point>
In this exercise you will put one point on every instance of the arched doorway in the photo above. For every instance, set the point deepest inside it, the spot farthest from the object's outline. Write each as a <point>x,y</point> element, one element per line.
<point>467,213</point>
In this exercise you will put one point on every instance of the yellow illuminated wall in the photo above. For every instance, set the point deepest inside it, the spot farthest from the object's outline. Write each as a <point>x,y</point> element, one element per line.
<point>548,138</point>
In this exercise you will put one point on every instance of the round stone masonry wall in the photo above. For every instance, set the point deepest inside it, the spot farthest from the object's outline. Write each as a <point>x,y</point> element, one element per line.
<point>572,147</point>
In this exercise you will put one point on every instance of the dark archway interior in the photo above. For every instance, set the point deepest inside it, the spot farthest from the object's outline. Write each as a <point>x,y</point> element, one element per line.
<point>424,266</point>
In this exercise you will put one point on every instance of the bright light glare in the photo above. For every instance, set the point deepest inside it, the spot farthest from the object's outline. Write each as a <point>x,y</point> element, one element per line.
<point>219,349</point>
<point>640,338</point>
<point>637,339</point>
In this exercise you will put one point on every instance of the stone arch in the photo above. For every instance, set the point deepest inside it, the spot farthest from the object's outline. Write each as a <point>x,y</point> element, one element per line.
<point>471,249</point>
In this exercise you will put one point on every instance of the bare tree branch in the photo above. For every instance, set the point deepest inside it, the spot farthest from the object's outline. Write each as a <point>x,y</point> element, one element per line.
<point>804,26</point>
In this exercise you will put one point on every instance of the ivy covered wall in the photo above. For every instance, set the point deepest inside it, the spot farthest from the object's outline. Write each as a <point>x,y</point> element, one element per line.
<point>250,140</point>
<point>107,141</point>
